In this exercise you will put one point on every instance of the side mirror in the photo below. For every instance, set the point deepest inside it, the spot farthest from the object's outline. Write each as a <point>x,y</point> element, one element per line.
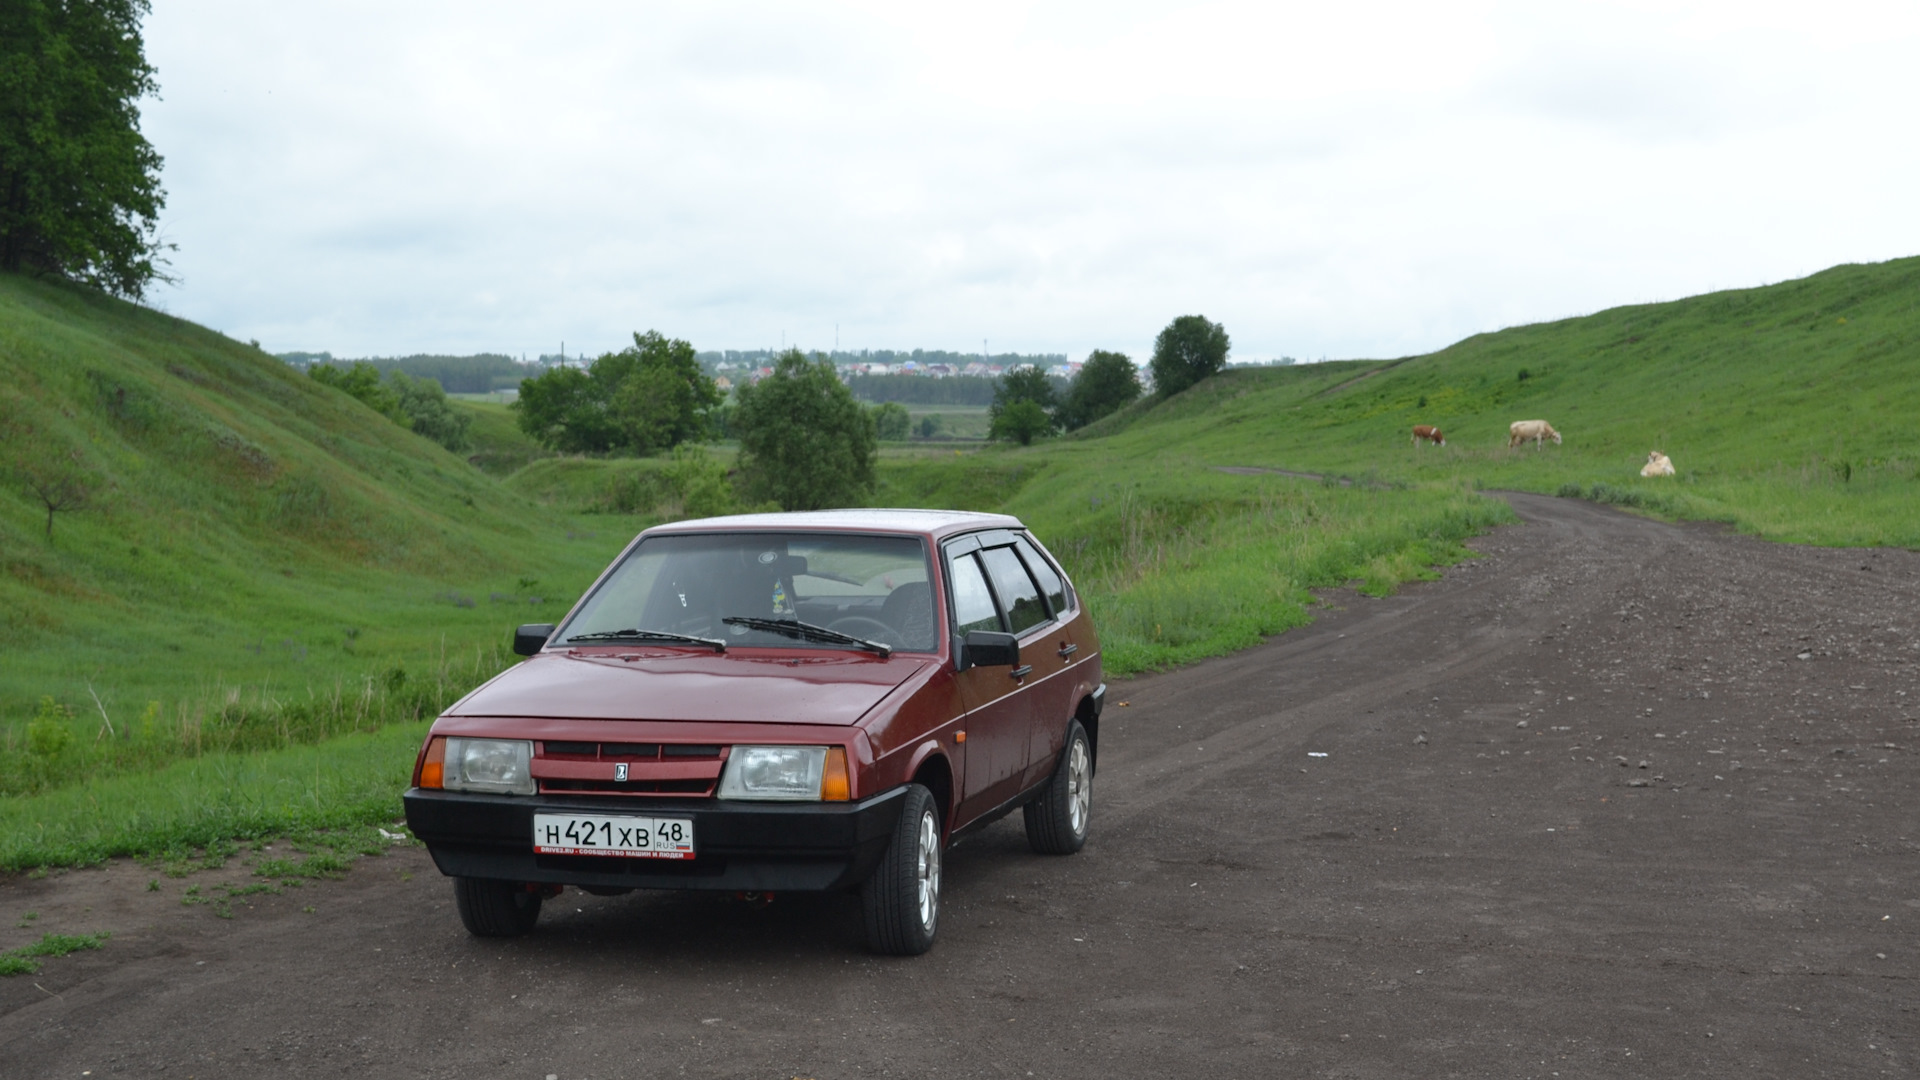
<point>989,648</point>
<point>531,638</point>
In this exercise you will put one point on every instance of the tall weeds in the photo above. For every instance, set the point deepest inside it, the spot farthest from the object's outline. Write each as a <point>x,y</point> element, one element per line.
<point>62,743</point>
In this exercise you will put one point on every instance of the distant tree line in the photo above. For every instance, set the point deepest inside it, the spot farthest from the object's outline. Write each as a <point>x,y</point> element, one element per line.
<point>481,373</point>
<point>841,357</point>
<point>920,390</point>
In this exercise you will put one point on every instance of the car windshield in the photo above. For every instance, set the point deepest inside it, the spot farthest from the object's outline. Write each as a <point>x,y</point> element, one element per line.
<point>874,588</point>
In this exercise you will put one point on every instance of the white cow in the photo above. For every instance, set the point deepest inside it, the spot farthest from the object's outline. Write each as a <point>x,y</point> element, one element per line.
<point>1658,464</point>
<point>1521,430</point>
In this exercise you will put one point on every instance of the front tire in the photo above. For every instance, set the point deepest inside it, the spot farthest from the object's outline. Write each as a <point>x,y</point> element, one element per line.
<point>902,898</point>
<point>492,908</point>
<point>1057,820</point>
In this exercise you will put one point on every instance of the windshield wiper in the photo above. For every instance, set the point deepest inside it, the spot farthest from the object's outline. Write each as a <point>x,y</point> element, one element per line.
<point>649,635</point>
<point>807,631</point>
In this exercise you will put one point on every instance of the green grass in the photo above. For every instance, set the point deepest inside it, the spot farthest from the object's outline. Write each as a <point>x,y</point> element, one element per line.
<point>256,545</point>
<point>1788,409</point>
<point>22,961</point>
<point>1178,561</point>
<point>499,448</point>
<point>202,802</point>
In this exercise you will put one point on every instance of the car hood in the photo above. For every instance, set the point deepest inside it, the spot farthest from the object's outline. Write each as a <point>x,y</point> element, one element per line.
<point>682,685</point>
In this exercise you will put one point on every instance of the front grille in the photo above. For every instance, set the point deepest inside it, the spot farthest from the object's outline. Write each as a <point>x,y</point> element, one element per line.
<point>629,752</point>
<point>565,766</point>
<point>631,787</point>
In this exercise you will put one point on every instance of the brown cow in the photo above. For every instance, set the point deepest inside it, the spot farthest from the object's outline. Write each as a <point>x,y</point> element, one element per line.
<point>1430,433</point>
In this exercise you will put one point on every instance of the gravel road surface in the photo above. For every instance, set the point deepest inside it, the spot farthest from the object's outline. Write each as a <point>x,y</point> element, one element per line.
<point>1619,798</point>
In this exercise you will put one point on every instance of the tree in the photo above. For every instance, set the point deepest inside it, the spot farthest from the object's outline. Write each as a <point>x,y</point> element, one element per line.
<point>664,398</point>
<point>1107,383</point>
<point>651,396</point>
<point>1188,350</point>
<point>805,443</point>
<point>1021,422</point>
<point>361,381</point>
<point>428,412</point>
<point>80,193</point>
<point>892,422</point>
<point>61,486</point>
<point>565,410</point>
<point>1030,386</point>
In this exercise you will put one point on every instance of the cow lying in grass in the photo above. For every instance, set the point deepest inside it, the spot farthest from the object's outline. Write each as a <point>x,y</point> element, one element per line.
<point>1430,433</point>
<point>1521,430</point>
<point>1658,464</point>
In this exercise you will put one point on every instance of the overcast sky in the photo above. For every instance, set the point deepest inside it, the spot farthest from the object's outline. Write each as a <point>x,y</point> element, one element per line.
<point>1341,180</point>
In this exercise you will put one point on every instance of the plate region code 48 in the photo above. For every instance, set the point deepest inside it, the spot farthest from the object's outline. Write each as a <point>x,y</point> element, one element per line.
<point>620,836</point>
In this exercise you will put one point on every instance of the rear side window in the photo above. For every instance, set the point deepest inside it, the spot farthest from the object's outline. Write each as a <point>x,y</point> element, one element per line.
<point>1019,597</point>
<point>1049,581</point>
<point>972,604</point>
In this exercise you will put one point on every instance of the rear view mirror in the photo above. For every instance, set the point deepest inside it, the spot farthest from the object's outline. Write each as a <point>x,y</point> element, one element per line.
<point>990,648</point>
<point>531,638</point>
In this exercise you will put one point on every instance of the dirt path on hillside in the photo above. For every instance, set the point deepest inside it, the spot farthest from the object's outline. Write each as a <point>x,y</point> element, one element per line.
<point>1621,798</point>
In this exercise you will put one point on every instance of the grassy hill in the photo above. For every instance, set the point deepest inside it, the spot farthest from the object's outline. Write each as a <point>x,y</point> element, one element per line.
<point>1788,409</point>
<point>250,537</point>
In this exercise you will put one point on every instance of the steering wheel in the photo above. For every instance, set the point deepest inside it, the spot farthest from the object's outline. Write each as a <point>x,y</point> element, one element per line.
<point>863,627</point>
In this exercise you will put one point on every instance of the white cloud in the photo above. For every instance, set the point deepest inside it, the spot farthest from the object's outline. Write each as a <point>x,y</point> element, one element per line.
<point>1361,179</point>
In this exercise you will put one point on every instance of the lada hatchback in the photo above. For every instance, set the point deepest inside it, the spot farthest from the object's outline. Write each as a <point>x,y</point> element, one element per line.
<point>774,702</point>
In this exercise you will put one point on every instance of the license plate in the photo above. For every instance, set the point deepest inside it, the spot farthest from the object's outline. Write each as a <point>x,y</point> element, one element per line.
<point>623,836</point>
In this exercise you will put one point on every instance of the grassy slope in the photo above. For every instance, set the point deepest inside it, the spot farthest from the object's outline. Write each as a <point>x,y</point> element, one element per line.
<point>250,528</point>
<point>1787,409</point>
<point>499,446</point>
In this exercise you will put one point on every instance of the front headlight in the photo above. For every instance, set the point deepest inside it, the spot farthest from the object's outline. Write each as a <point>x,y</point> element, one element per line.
<point>785,773</point>
<point>498,766</point>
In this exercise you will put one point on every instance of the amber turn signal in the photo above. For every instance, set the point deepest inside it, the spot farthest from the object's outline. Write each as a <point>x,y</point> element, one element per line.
<point>433,770</point>
<point>835,785</point>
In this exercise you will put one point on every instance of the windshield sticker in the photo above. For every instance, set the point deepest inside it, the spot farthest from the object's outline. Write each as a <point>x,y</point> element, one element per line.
<point>767,557</point>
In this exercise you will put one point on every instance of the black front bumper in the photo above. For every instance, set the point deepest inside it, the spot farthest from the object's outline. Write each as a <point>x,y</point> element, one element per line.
<point>756,847</point>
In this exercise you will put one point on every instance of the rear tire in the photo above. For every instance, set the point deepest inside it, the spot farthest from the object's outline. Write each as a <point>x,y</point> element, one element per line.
<point>902,898</point>
<point>492,908</point>
<point>1057,820</point>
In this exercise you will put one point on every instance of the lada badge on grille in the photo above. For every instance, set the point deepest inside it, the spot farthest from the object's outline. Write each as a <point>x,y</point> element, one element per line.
<point>620,772</point>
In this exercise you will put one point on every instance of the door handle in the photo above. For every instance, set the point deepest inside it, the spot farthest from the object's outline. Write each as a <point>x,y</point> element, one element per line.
<point>1022,671</point>
<point>1068,650</point>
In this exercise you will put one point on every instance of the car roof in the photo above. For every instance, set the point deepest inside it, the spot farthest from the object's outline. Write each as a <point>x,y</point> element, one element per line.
<point>935,523</point>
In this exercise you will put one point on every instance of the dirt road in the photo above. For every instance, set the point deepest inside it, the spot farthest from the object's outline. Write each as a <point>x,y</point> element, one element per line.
<point>1620,798</point>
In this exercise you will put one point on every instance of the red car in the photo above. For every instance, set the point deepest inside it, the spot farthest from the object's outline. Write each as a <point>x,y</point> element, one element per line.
<point>773,702</point>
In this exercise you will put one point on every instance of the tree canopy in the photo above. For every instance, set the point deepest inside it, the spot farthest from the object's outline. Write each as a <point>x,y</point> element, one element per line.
<point>651,396</point>
<point>1024,404</point>
<point>1188,350</point>
<point>1107,383</point>
<point>805,443</point>
<point>80,193</point>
